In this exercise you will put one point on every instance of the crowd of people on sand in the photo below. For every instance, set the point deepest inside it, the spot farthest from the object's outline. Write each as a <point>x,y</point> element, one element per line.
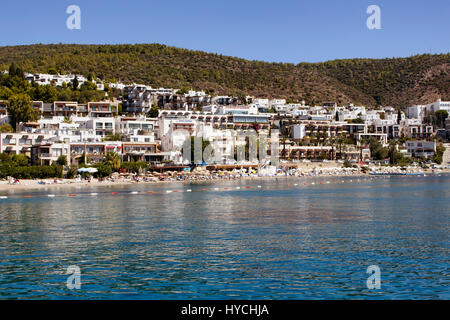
<point>201,174</point>
<point>12,180</point>
<point>207,175</point>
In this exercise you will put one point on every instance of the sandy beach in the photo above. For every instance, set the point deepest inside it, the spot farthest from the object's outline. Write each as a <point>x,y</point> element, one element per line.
<point>24,185</point>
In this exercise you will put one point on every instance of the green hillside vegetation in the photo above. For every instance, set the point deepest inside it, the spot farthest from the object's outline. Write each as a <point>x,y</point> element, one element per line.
<point>398,82</point>
<point>14,83</point>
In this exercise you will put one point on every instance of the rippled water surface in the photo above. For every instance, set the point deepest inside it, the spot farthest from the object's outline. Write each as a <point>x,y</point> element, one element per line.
<point>283,240</point>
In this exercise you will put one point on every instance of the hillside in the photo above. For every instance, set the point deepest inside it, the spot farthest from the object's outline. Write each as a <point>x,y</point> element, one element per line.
<point>398,82</point>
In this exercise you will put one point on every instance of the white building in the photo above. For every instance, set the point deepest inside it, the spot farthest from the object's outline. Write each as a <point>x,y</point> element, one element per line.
<point>276,102</point>
<point>102,126</point>
<point>416,112</point>
<point>421,148</point>
<point>350,112</point>
<point>261,103</point>
<point>222,142</point>
<point>20,143</point>
<point>58,79</point>
<point>231,109</point>
<point>438,105</point>
<point>298,131</point>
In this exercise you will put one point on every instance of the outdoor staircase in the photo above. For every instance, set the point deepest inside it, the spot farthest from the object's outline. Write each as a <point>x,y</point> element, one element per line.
<point>446,156</point>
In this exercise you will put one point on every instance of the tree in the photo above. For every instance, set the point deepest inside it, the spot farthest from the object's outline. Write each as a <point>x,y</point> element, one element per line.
<point>376,149</point>
<point>88,85</point>
<point>20,110</point>
<point>429,117</point>
<point>62,160</point>
<point>440,116</point>
<point>75,83</point>
<point>183,90</point>
<point>113,137</point>
<point>347,164</point>
<point>112,159</point>
<point>243,99</point>
<point>104,170</point>
<point>357,120</point>
<point>438,156</point>
<point>72,172</point>
<point>392,150</point>
<point>6,127</point>
<point>396,157</point>
<point>15,71</point>
<point>52,70</point>
<point>134,166</point>
<point>19,160</point>
<point>340,140</point>
<point>154,111</point>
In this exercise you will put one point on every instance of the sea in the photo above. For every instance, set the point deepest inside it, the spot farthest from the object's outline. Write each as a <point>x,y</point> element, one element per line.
<point>350,237</point>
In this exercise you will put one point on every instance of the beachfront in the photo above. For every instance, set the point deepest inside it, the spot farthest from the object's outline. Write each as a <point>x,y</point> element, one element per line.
<point>202,175</point>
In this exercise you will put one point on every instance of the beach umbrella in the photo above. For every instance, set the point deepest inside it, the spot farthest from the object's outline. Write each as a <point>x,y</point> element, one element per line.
<point>90,170</point>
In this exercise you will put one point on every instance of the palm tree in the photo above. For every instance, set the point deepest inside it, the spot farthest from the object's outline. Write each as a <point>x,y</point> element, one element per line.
<point>340,141</point>
<point>332,141</point>
<point>392,150</point>
<point>113,160</point>
<point>283,141</point>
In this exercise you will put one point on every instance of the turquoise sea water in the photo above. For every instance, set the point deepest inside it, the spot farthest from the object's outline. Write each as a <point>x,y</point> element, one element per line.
<point>278,241</point>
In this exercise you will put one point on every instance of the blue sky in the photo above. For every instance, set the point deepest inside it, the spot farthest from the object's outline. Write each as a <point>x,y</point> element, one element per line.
<point>280,31</point>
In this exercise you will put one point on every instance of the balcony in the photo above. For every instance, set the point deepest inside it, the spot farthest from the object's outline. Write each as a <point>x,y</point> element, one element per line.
<point>71,109</point>
<point>25,142</point>
<point>45,156</point>
<point>10,141</point>
<point>101,110</point>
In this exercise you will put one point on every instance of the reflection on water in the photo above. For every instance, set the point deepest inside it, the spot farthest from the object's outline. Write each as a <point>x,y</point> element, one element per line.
<point>279,241</point>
